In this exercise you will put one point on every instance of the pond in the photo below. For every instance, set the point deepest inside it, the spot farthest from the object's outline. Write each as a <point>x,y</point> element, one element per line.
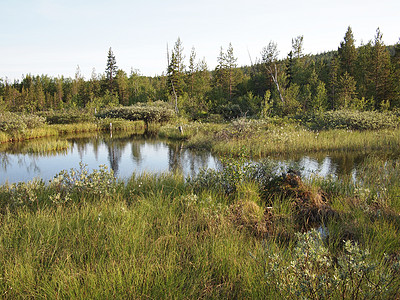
<point>126,154</point>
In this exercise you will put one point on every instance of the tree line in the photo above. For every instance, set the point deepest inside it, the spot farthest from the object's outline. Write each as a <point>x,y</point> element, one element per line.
<point>366,77</point>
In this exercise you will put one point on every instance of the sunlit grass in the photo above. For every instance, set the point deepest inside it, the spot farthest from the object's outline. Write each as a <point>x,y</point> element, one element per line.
<point>262,138</point>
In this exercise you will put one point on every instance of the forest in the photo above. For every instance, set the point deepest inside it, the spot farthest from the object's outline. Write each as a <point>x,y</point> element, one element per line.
<point>362,78</point>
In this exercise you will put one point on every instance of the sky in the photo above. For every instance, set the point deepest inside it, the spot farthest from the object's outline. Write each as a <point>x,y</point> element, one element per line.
<point>54,37</point>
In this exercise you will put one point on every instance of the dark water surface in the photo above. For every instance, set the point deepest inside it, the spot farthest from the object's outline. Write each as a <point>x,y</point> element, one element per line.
<point>126,154</point>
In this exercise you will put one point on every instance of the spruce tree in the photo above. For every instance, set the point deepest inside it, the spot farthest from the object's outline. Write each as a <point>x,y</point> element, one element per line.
<point>176,70</point>
<point>111,69</point>
<point>192,71</point>
<point>230,62</point>
<point>380,72</point>
<point>347,53</point>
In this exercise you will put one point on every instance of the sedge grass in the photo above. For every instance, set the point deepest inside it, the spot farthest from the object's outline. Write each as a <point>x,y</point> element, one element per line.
<point>274,142</point>
<point>157,247</point>
<point>153,237</point>
<point>61,129</point>
<point>260,139</point>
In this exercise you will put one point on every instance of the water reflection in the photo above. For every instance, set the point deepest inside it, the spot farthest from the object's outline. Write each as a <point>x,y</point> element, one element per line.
<point>125,153</point>
<point>338,163</point>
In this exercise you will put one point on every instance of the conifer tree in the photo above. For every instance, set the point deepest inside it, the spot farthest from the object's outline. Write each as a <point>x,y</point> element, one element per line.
<point>111,69</point>
<point>333,81</point>
<point>176,69</point>
<point>396,75</point>
<point>192,70</point>
<point>347,90</point>
<point>363,71</point>
<point>226,74</point>
<point>347,53</point>
<point>380,70</point>
<point>230,62</point>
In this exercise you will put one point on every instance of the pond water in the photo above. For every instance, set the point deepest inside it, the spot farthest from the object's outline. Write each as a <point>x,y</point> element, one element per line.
<point>126,154</point>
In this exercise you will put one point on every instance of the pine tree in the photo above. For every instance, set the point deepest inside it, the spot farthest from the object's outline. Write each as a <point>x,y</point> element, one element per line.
<point>333,81</point>
<point>396,75</point>
<point>363,69</point>
<point>297,47</point>
<point>122,87</point>
<point>289,68</point>
<point>226,75</point>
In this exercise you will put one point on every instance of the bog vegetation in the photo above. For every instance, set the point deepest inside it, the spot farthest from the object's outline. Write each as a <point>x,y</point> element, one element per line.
<point>242,232</point>
<point>247,230</point>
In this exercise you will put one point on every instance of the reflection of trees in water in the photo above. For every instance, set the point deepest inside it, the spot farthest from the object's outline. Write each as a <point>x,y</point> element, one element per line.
<point>30,166</point>
<point>136,153</point>
<point>5,160</point>
<point>197,160</point>
<point>340,163</point>
<point>180,157</point>
<point>115,149</point>
<point>175,157</point>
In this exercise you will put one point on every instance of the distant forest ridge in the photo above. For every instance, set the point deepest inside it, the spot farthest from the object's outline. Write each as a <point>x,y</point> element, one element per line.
<point>357,78</point>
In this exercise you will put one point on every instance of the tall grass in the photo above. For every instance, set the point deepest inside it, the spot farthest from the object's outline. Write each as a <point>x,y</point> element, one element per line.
<point>157,241</point>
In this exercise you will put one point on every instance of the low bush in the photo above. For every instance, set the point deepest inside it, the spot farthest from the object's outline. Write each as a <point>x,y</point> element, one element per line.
<point>158,112</point>
<point>66,116</point>
<point>14,122</point>
<point>354,120</point>
<point>313,273</point>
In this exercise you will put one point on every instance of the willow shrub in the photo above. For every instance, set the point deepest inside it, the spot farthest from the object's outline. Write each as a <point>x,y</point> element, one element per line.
<point>311,272</point>
<point>157,112</point>
<point>13,122</point>
<point>349,119</point>
<point>69,116</point>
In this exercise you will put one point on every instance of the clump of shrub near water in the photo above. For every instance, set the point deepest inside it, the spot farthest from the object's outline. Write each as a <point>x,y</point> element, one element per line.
<point>157,112</point>
<point>10,122</point>
<point>67,116</point>
<point>350,119</point>
<point>14,126</point>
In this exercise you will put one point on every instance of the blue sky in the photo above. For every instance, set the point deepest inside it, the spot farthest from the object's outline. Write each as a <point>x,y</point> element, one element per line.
<point>54,37</point>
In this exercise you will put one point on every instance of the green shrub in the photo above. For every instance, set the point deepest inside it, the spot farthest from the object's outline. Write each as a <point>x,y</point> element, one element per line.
<point>100,182</point>
<point>354,120</point>
<point>21,194</point>
<point>69,116</point>
<point>312,273</point>
<point>14,122</point>
<point>233,173</point>
<point>158,112</point>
